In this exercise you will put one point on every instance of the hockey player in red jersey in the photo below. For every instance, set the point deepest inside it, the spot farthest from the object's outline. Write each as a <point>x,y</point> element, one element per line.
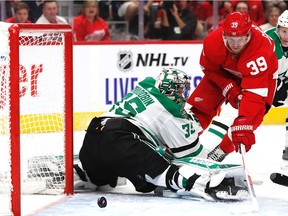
<point>240,67</point>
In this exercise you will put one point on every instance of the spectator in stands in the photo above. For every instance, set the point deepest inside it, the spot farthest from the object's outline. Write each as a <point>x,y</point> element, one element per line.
<point>88,26</point>
<point>35,9</point>
<point>256,11</point>
<point>105,11</point>
<point>281,4</point>
<point>272,17</point>
<point>9,7</point>
<point>21,11</point>
<point>155,21</point>
<point>178,21</point>
<point>49,14</point>
<point>240,6</point>
<point>128,11</point>
<point>204,12</point>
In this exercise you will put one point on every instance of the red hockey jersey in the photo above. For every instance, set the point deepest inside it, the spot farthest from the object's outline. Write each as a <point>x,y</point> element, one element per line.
<point>255,69</point>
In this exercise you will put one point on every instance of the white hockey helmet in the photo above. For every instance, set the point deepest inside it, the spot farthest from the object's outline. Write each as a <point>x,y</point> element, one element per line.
<point>174,84</point>
<point>283,19</point>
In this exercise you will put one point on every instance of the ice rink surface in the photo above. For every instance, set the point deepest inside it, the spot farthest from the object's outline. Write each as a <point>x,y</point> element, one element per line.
<point>262,159</point>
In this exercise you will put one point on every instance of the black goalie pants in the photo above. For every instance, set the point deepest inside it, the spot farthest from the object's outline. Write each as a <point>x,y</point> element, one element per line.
<point>118,149</point>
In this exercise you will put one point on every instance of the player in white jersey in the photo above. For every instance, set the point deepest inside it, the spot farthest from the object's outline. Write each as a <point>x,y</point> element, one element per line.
<point>151,140</point>
<point>280,36</point>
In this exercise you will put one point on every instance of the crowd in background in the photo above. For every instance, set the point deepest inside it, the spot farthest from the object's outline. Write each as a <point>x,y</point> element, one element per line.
<point>161,19</point>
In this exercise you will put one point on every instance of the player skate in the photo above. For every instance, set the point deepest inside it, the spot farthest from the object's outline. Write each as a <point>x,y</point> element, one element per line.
<point>278,34</point>
<point>281,177</point>
<point>217,154</point>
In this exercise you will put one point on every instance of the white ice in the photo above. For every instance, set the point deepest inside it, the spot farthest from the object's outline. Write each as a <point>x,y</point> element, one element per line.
<point>262,159</point>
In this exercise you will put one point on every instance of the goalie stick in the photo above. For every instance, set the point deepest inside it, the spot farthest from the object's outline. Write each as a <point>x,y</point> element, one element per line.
<point>279,178</point>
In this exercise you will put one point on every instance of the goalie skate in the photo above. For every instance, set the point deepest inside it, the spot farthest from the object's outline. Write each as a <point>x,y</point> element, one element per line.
<point>227,190</point>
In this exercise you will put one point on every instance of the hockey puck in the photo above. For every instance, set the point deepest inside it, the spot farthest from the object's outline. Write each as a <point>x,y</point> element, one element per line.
<point>102,202</point>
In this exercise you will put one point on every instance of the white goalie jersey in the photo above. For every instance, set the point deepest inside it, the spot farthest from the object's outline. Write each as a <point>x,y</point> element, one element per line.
<point>162,120</point>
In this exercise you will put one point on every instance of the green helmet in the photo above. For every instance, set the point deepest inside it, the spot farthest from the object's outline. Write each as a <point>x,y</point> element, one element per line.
<point>174,84</point>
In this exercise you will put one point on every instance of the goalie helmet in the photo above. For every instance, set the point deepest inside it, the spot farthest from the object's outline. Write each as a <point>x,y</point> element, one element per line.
<point>174,84</point>
<point>283,19</point>
<point>237,24</point>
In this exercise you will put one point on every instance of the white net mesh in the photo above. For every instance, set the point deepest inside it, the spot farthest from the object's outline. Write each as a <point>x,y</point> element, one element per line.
<point>5,158</point>
<point>42,108</point>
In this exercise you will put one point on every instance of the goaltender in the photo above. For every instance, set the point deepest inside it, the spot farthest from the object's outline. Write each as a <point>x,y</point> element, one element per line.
<point>151,140</point>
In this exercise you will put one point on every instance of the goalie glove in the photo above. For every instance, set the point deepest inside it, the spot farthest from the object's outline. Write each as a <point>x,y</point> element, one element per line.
<point>233,94</point>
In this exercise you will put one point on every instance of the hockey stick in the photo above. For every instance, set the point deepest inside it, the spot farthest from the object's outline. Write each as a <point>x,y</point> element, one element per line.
<point>251,208</point>
<point>255,206</point>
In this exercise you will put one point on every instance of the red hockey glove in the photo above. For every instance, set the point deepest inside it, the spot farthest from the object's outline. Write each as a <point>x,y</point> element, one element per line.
<point>242,132</point>
<point>233,94</point>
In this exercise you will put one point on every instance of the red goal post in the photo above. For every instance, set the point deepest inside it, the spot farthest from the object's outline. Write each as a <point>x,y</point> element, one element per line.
<point>36,112</point>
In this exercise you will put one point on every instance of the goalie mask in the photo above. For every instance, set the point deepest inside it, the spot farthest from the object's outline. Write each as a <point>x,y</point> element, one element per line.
<point>174,84</point>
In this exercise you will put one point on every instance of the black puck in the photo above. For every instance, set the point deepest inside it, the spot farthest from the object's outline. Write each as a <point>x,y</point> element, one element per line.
<point>102,202</point>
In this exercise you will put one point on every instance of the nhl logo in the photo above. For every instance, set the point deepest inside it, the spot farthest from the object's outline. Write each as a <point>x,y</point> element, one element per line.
<point>124,60</point>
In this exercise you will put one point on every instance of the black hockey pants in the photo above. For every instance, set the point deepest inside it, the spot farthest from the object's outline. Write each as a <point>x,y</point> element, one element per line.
<point>117,148</point>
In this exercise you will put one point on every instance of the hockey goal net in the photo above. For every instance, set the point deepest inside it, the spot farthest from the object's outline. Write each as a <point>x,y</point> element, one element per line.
<point>36,115</point>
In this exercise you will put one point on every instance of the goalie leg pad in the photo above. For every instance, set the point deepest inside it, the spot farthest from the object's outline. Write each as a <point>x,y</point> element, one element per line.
<point>214,180</point>
<point>172,177</point>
